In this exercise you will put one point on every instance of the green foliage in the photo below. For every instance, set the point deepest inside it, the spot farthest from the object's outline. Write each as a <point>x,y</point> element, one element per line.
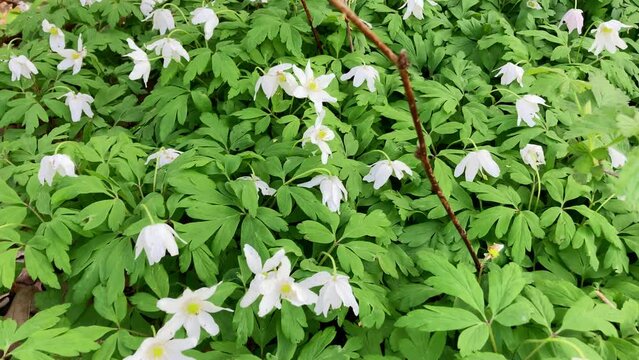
<point>565,286</point>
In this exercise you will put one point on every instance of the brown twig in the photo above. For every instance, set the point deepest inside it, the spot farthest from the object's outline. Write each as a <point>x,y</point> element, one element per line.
<point>310,22</point>
<point>603,298</point>
<point>401,62</point>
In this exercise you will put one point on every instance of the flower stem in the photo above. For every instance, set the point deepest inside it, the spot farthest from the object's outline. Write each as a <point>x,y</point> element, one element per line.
<point>492,338</point>
<point>332,261</point>
<point>155,172</point>
<point>538,189</point>
<point>532,191</point>
<point>178,9</point>
<point>176,30</point>
<point>148,213</point>
<point>305,173</point>
<point>383,153</point>
<point>506,90</point>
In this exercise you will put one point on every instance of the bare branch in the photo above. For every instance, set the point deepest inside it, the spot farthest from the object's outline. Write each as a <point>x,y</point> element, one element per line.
<point>401,61</point>
<point>310,22</point>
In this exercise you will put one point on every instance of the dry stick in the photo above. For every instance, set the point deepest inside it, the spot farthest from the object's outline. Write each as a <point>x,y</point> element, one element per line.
<point>349,36</point>
<point>310,22</point>
<point>401,62</point>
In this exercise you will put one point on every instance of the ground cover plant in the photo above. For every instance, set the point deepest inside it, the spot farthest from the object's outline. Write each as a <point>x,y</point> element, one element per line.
<point>319,179</point>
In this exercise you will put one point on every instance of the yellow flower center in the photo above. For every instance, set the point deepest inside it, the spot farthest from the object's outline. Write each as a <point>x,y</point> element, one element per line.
<point>76,56</point>
<point>286,288</point>
<point>281,77</point>
<point>322,134</point>
<point>313,86</point>
<point>54,31</point>
<point>607,30</point>
<point>193,308</point>
<point>493,253</point>
<point>157,351</point>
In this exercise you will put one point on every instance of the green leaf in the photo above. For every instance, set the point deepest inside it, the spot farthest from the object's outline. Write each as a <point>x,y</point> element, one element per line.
<point>438,318</point>
<point>543,312</point>
<point>39,267</point>
<point>43,320</point>
<point>318,343</point>
<point>504,285</point>
<point>8,267</point>
<point>515,314</point>
<point>459,282</point>
<point>316,232</point>
<point>7,195</point>
<point>361,225</point>
<point>584,315</point>
<point>293,322</point>
<point>158,280</point>
<point>96,213</point>
<point>473,338</point>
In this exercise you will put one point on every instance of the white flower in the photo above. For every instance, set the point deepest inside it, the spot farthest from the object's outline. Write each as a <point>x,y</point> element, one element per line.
<point>191,311</point>
<point>170,49</point>
<point>362,73</point>
<point>607,37</point>
<point>56,36</point>
<point>313,88</point>
<point>533,5</point>
<point>475,161</point>
<point>207,17</point>
<point>162,347</point>
<point>335,292</point>
<point>164,156</point>
<point>274,78</point>
<point>280,286</point>
<point>533,155</point>
<point>55,164</point>
<point>21,66</point>
<point>511,72</point>
<point>254,263</point>
<point>332,189</point>
<point>415,8</point>
<point>260,184</point>
<point>72,58</point>
<point>617,158</point>
<point>23,6</point>
<point>382,170</point>
<point>162,20</point>
<point>147,6</point>
<point>141,64</point>
<point>77,104</point>
<point>156,240</point>
<point>89,2</point>
<point>527,108</point>
<point>493,251</point>
<point>573,19</point>
<point>319,135</point>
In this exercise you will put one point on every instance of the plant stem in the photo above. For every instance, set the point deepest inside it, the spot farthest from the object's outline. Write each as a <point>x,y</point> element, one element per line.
<point>538,189</point>
<point>34,211</point>
<point>493,343</point>
<point>349,35</point>
<point>148,213</point>
<point>155,172</point>
<point>532,191</point>
<point>401,62</point>
<point>310,22</point>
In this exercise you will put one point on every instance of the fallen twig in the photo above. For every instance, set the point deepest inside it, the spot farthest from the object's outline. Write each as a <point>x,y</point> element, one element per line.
<point>310,22</point>
<point>401,61</point>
